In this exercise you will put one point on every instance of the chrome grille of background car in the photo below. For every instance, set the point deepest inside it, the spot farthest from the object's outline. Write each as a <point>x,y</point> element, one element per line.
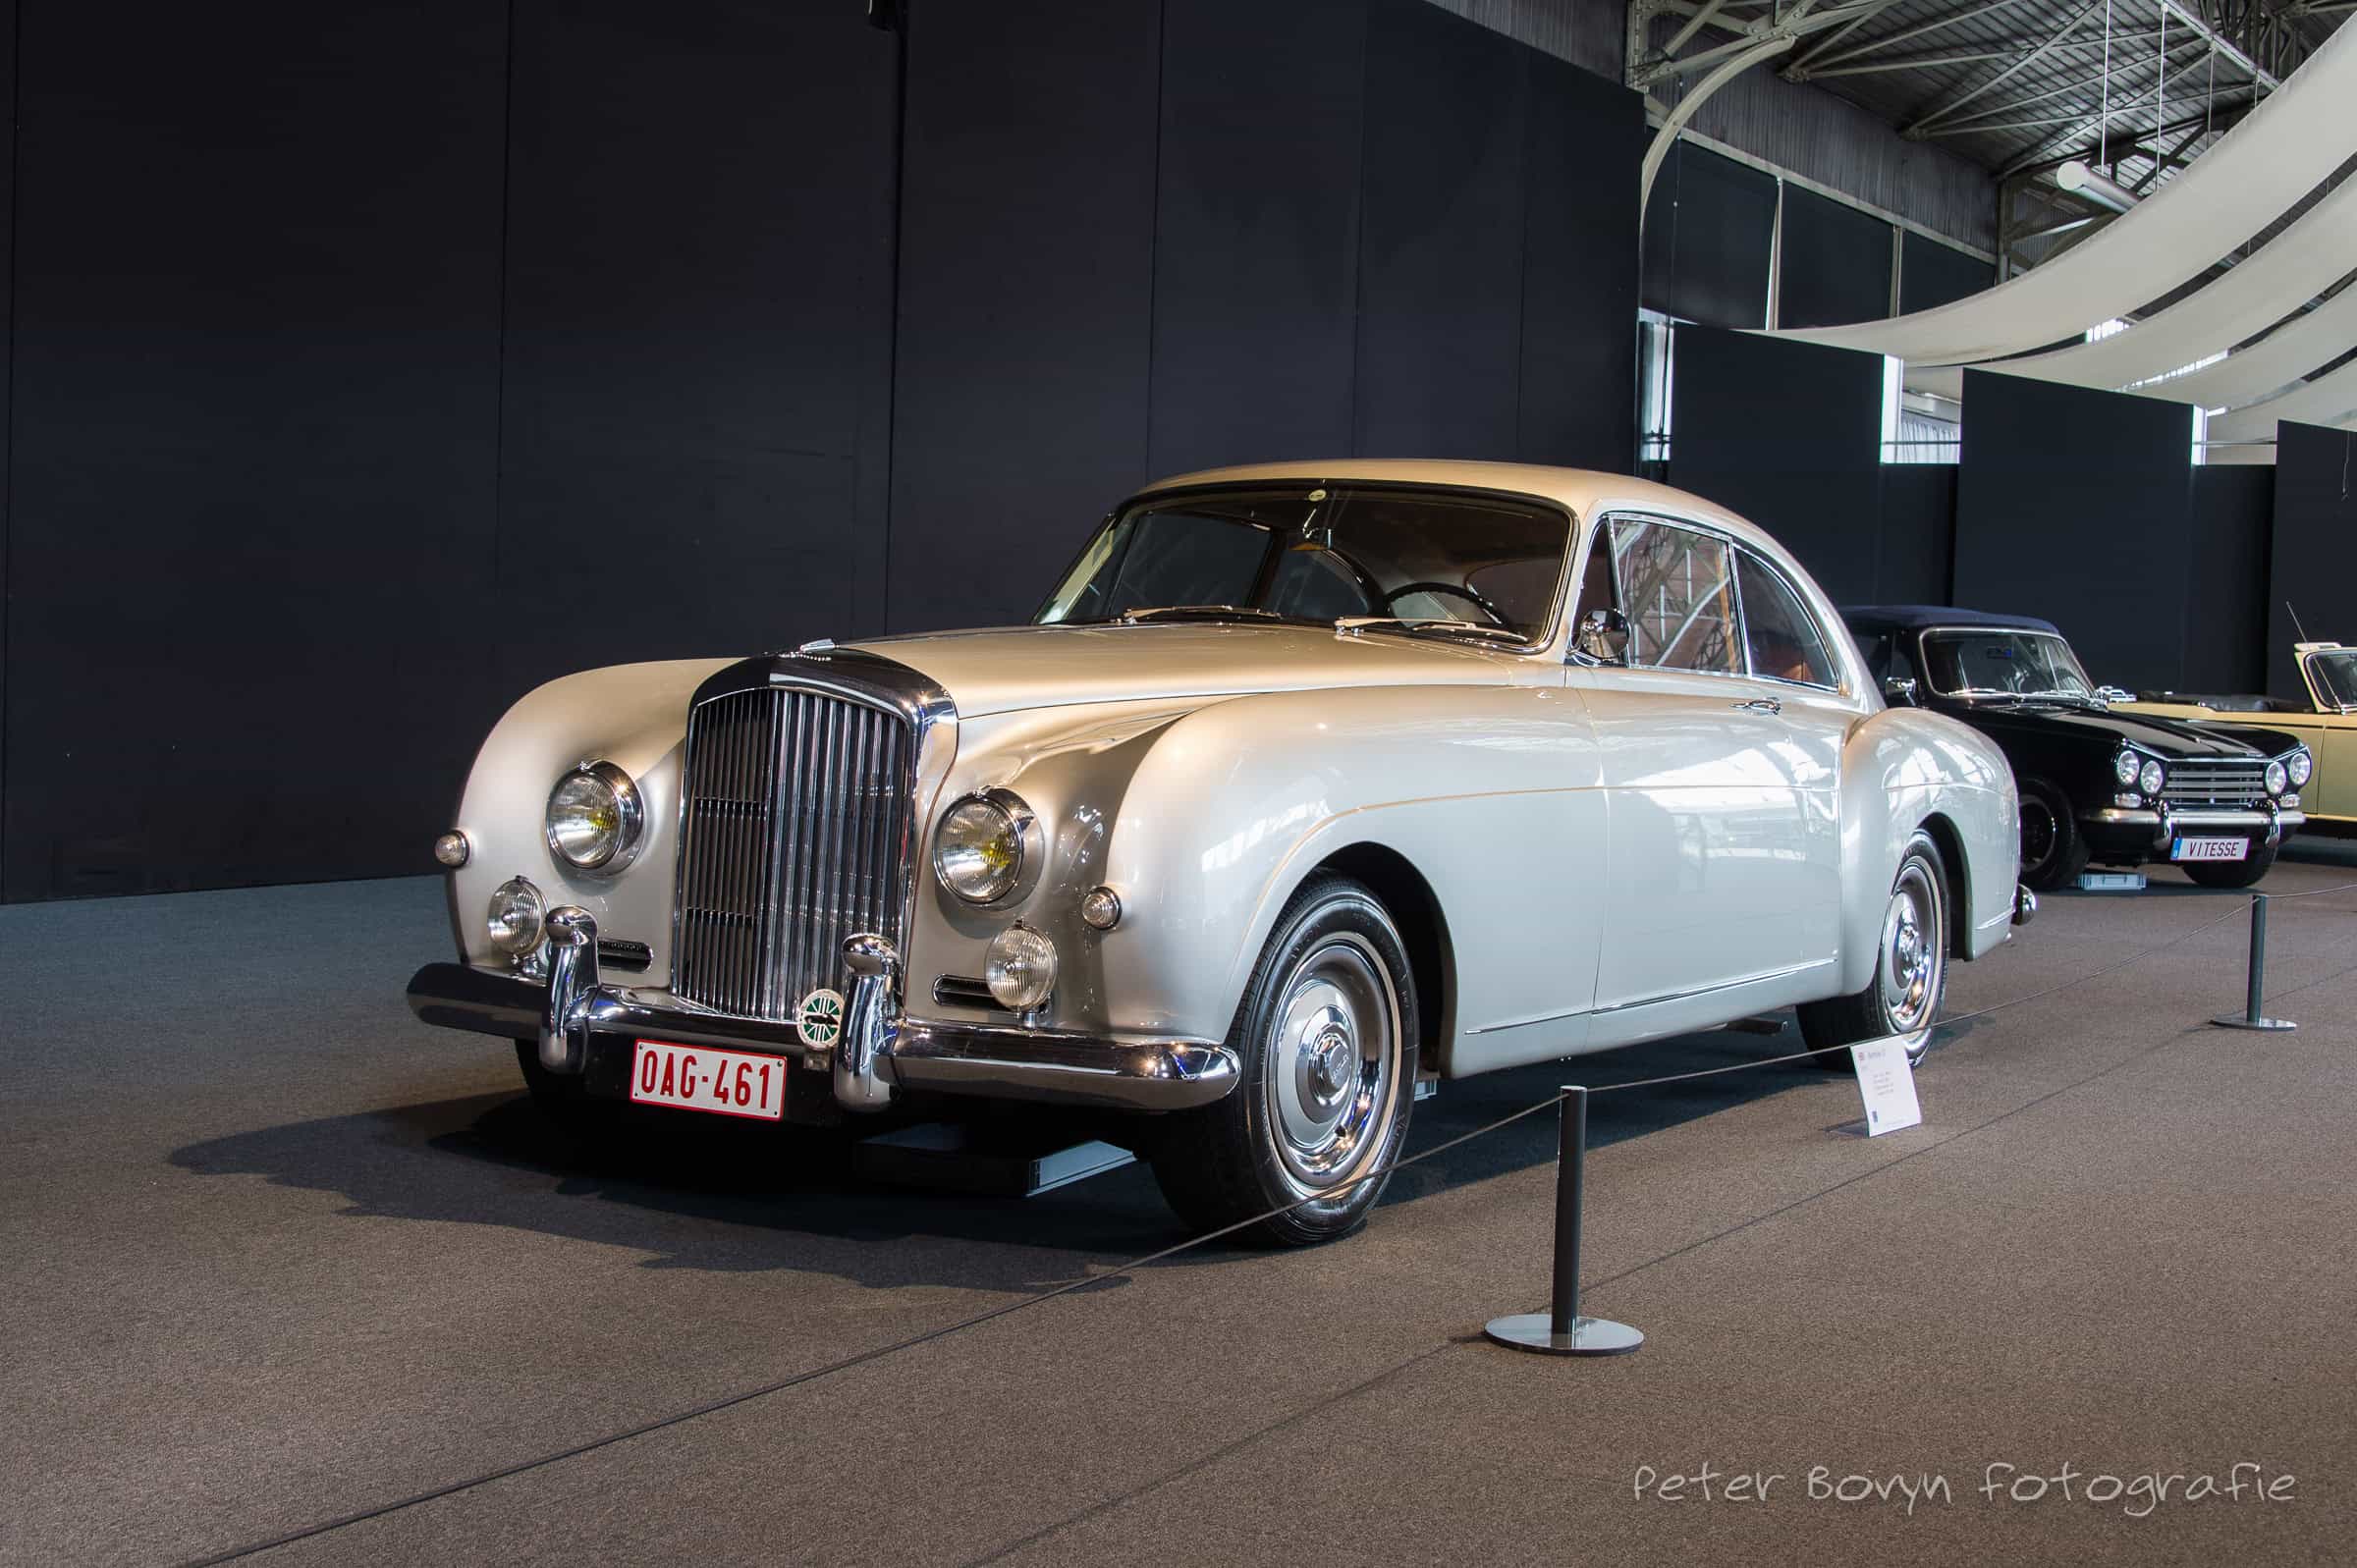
<point>2239,783</point>
<point>794,835</point>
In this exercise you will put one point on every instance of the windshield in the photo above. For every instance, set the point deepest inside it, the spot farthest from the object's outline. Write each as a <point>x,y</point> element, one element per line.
<point>1486,565</point>
<point>2336,675</point>
<point>2001,663</point>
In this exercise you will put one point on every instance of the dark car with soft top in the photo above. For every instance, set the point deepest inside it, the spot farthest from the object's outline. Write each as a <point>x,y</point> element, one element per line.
<point>2097,785</point>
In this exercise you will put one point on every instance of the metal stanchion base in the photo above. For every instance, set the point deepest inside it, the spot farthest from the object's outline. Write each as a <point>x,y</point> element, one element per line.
<point>1589,1337</point>
<point>2236,1020</point>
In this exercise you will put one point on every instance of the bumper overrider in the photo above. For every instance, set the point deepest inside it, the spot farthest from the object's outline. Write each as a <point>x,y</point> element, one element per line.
<point>2142,829</point>
<point>588,1028</point>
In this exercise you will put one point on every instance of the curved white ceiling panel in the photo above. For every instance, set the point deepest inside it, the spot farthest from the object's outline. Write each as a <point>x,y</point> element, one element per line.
<point>2325,401</point>
<point>2276,361</point>
<point>2261,168</point>
<point>2307,258</point>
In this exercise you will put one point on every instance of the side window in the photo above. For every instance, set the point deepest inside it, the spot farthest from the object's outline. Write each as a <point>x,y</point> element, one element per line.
<point>1779,634</point>
<point>1677,590</point>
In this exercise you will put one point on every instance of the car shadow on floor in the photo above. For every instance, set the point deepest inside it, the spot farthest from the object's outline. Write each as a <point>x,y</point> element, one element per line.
<point>707,1192</point>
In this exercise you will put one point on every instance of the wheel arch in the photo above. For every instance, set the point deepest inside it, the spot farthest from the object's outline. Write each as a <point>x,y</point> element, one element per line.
<point>1423,925</point>
<point>1949,842</point>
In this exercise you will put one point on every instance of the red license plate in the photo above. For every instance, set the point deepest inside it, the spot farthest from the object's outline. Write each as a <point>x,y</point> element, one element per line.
<point>727,1083</point>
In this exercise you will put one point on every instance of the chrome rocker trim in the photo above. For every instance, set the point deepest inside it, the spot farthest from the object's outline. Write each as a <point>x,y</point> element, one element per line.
<point>878,1053</point>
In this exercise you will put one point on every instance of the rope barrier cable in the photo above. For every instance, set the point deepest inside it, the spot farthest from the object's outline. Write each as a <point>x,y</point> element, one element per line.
<point>1070,1287</point>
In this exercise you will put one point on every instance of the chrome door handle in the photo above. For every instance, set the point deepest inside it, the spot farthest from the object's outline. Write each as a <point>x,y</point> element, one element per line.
<point>1760,705</point>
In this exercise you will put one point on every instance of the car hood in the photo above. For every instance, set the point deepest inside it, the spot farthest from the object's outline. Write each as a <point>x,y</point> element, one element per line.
<point>2163,737</point>
<point>1004,669</point>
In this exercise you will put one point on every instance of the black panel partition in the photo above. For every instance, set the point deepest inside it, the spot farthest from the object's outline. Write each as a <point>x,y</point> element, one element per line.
<point>1918,540</point>
<point>1026,264</point>
<point>1708,231</point>
<point>2078,506</point>
<point>1440,281</point>
<point>1256,232</point>
<point>2312,561</point>
<point>1788,434</point>
<point>696,377</point>
<point>1835,267</point>
<point>2226,588</point>
<point>1932,274</point>
<point>255,383</point>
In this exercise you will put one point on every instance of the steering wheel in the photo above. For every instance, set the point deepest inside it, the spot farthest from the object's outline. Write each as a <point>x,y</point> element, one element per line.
<point>1471,596</point>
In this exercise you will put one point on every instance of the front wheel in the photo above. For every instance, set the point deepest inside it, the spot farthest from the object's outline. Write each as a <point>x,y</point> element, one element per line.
<point>1910,969</point>
<point>2053,850</point>
<point>1326,1039</point>
<point>2256,863</point>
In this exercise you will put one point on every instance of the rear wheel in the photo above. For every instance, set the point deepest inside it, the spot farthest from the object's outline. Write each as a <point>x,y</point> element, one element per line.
<point>1325,1038</point>
<point>2256,863</point>
<point>1910,969</point>
<point>2053,850</point>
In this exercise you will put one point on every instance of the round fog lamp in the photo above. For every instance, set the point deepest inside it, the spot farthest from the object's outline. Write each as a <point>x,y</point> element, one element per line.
<point>2152,777</point>
<point>513,921</point>
<point>451,849</point>
<point>2301,766</point>
<point>1019,969</point>
<point>2278,780</point>
<point>2123,767</point>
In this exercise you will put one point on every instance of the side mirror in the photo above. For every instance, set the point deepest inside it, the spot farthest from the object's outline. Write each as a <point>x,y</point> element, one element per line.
<point>1604,636</point>
<point>1901,692</point>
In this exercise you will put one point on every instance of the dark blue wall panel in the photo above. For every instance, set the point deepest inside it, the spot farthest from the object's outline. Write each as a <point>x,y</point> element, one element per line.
<point>2226,595</point>
<point>2078,506</point>
<point>1836,264</point>
<point>1709,230</point>
<point>1932,274</point>
<point>2312,551</point>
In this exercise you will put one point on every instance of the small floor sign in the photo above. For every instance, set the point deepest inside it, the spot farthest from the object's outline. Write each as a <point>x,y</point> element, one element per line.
<point>1886,1084</point>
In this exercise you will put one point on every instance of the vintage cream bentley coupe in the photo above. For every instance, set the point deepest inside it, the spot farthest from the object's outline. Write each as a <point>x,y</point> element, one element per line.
<point>1306,781</point>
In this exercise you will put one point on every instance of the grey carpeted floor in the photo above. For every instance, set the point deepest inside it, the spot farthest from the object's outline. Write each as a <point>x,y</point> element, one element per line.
<point>272,1256</point>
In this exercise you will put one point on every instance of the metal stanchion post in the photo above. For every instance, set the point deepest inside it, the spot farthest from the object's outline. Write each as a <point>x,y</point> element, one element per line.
<point>2249,1017</point>
<point>1560,1330</point>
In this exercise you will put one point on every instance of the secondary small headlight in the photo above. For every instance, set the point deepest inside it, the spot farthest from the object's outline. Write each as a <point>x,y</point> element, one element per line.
<point>2123,767</point>
<point>978,849</point>
<point>2278,778</point>
<point>596,819</point>
<point>1019,967</point>
<point>452,849</point>
<point>2301,765</point>
<point>513,919</point>
<point>2150,778</point>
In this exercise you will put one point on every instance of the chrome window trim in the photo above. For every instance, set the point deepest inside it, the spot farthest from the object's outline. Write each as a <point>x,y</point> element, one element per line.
<point>1683,524</point>
<point>1824,644</point>
<point>852,675</point>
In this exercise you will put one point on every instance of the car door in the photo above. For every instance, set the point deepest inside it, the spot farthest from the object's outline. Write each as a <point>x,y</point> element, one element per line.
<point>1720,866</point>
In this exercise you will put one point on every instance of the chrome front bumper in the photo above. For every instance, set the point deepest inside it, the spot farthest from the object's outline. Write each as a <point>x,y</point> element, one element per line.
<point>2268,824</point>
<point>876,1052</point>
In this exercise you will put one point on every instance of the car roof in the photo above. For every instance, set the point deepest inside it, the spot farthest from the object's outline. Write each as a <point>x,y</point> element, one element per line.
<point>1585,491</point>
<point>1877,618</point>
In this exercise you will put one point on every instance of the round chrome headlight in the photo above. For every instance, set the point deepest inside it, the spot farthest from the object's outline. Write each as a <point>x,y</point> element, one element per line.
<point>595,819</point>
<point>1019,967</point>
<point>515,917</point>
<point>2278,778</point>
<point>2301,765</point>
<point>978,849</point>
<point>2124,768</point>
<point>2150,778</point>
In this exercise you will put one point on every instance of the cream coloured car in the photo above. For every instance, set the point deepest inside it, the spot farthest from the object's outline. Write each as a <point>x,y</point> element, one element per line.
<point>1306,781</point>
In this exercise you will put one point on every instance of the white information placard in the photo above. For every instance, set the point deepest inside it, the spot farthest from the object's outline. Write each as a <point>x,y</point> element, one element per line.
<point>1886,1085</point>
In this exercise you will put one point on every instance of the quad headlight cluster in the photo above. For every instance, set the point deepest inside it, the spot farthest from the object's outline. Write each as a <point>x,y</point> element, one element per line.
<point>2139,772</point>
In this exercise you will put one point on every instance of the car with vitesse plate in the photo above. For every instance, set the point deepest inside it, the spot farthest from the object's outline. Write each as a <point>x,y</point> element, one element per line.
<point>2100,783</point>
<point>1306,784</point>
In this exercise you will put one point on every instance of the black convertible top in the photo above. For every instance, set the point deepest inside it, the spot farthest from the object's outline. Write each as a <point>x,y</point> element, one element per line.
<point>1871,621</point>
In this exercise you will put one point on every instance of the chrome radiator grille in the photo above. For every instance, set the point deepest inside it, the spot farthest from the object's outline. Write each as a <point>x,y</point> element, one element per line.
<point>2239,783</point>
<point>794,834</point>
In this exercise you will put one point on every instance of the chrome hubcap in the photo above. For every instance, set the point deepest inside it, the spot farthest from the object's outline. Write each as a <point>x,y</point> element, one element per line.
<point>1332,1062</point>
<point>1914,950</point>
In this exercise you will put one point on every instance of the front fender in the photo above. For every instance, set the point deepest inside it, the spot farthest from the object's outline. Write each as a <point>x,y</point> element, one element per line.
<point>1903,769</point>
